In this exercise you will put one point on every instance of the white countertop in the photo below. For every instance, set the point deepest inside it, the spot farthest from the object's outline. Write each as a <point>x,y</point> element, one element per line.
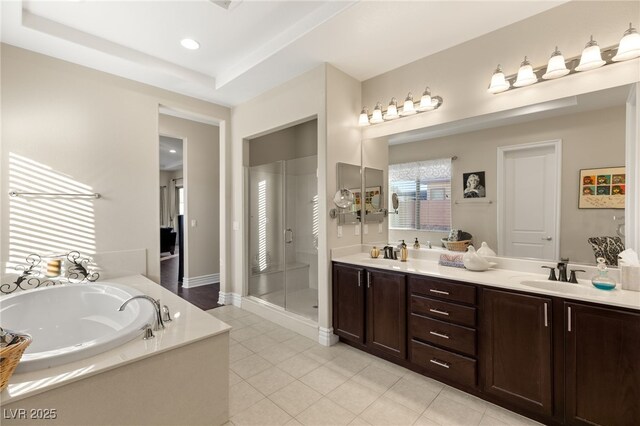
<point>189,325</point>
<point>500,278</point>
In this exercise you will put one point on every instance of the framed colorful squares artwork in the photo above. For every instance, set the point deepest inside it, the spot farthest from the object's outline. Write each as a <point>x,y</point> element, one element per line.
<point>602,188</point>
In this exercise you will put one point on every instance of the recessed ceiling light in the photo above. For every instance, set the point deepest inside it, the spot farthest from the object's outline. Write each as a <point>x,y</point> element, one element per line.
<point>173,151</point>
<point>189,43</point>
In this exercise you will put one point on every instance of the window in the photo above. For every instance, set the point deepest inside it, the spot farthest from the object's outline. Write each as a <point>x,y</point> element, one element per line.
<point>424,195</point>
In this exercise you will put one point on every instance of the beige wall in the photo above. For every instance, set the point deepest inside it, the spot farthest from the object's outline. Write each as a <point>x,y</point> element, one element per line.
<point>286,144</point>
<point>201,172</point>
<point>96,129</point>
<point>462,73</point>
<point>589,140</point>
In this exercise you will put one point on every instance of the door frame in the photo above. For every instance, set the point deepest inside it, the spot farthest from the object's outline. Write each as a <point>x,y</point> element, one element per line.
<point>556,144</point>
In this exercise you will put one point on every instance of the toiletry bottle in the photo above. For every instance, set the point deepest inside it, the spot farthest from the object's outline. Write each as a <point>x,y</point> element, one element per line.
<point>416,244</point>
<point>404,252</point>
<point>601,279</point>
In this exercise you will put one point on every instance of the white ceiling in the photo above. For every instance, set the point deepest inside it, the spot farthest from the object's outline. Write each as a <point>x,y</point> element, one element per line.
<point>254,45</point>
<point>170,161</point>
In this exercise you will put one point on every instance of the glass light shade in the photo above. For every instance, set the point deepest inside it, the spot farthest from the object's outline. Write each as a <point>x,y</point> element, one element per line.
<point>526,76</point>
<point>425,101</point>
<point>556,67</point>
<point>376,117</point>
<point>629,47</point>
<point>408,107</point>
<point>591,57</point>
<point>364,118</point>
<point>392,110</point>
<point>498,82</point>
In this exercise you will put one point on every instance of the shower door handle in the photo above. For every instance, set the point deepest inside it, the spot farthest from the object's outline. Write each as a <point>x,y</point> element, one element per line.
<point>288,232</point>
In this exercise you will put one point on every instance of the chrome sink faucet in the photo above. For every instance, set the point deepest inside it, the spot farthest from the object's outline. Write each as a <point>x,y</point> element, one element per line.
<point>159,323</point>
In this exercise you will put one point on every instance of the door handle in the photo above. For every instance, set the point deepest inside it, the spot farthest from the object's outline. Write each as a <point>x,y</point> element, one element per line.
<point>290,232</point>
<point>359,278</point>
<point>368,279</point>
<point>546,316</point>
<point>569,318</point>
<point>547,238</point>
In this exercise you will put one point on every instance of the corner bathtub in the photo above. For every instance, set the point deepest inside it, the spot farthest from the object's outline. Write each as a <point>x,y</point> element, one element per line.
<point>70,322</point>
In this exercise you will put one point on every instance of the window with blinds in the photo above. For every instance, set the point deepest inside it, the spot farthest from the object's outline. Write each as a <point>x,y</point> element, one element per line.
<point>424,195</point>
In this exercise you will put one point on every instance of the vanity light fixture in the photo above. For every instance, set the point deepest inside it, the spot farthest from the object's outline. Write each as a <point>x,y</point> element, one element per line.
<point>591,57</point>
<point>376,117</point>
<point>526,76</point>
<point>364,117</point>
<point>410,107</point>
<point>392,110</point>
<point>426,102</point>
<point>556,67</point>
<point>189,43</point>
<point>629,47</point>
<point>498,81</point>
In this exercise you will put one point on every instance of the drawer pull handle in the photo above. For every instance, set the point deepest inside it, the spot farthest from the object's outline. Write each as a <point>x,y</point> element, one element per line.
<point>437,311</point>
<point>432,290</point>
<point>435,333</point>
<point>440,363</point>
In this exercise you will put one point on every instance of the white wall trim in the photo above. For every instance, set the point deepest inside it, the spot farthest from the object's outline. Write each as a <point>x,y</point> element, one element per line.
<point>190,282</point>
<point>230,299</point>
<point>632,158</point>
<point>326,336</point>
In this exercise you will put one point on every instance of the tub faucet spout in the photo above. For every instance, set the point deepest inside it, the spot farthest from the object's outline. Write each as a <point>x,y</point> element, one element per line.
<point>159,323</point>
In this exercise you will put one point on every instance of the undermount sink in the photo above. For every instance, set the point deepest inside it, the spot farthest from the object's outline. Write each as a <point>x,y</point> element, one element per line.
<point>563,287</point>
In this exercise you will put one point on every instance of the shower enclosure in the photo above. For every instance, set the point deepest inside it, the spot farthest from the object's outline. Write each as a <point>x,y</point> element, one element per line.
<point>283,235</point>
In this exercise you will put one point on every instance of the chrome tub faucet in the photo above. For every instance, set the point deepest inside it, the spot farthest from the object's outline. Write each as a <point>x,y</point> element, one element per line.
<point>159,323</point>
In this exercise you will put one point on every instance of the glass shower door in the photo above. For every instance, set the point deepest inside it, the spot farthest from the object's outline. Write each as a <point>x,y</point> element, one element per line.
<point>266,232</point>
<point>301,237</point>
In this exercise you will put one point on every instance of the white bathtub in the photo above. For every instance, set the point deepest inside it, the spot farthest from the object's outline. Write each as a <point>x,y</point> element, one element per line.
<point>73,321</point>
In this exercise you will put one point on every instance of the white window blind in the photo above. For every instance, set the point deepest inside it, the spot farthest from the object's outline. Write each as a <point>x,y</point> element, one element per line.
<point>424,195</point>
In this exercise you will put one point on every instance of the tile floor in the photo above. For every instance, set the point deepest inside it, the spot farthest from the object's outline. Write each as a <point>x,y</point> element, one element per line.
<point>279,377</point>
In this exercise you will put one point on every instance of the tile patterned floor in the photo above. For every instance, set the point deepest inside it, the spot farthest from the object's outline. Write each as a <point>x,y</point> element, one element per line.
<point>278,377</point>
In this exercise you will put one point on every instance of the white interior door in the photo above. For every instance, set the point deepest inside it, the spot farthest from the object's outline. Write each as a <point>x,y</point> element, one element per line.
<point>529,195</point>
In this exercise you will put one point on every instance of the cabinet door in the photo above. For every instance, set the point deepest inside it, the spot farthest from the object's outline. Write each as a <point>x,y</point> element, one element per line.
<point>348,302</point>
<point>517,349</point>
<point>387,313</point>
<point>602,366</point>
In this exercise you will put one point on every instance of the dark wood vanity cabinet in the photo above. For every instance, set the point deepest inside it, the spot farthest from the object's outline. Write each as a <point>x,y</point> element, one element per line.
<point>517,349</point>
<point>387,313</point>
<point>348,303</point>
<point>442,329</point>
<point>369,308</point>
<point>555,360</point>
<point>602,366</point>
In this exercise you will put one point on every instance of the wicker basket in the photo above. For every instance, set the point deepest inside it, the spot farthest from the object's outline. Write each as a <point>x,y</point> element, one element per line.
<point>10,357</point>
<point>456,245</point>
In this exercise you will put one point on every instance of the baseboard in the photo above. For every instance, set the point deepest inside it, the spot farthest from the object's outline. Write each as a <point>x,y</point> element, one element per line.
<point>230,299</point>
<point>190,282</point>
<point>286,319</point>
<point>326,336</point>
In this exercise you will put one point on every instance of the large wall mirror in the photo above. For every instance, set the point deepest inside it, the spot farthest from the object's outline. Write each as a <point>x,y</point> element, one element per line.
<point>348,177</point>
<point>538,182</point>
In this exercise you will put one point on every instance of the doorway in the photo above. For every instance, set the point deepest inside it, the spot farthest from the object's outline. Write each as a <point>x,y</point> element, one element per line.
<point>529,178</point>
<point>172,196</point>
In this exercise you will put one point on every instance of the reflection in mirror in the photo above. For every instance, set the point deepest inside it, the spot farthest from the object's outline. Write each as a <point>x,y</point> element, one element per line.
<point>591,128</point>
<point>373,196</point>
<point>348,177</point>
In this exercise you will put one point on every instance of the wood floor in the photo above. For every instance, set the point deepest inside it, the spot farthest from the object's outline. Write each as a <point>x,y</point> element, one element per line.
<point>204,297</point>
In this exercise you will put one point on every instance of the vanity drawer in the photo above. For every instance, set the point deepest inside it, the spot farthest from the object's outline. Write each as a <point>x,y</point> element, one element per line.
<point>443,363</point>
<point>456,337</point>
<point>443,289</point>
<point>463,315</point>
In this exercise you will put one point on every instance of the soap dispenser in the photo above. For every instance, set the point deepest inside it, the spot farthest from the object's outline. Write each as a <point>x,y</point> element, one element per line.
<point>416,244</point>
<point>404,252</point>
<point>601,279</point>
